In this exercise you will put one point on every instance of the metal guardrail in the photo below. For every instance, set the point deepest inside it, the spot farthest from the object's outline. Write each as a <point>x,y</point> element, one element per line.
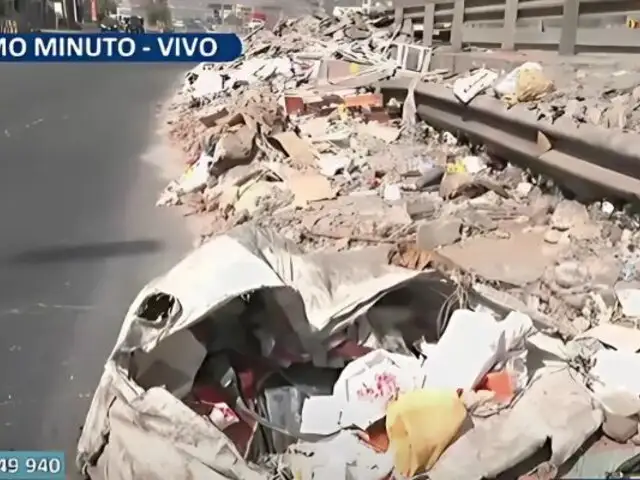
<point>592,162</point>
<point>566,24</point>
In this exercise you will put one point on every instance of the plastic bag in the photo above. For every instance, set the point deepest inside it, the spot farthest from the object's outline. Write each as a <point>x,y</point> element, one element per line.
<point>421,425</point>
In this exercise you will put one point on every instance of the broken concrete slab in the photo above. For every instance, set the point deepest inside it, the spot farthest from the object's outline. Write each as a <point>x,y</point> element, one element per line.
<point>438,233</point>
<point>295,147</point>
<point>523,257</point>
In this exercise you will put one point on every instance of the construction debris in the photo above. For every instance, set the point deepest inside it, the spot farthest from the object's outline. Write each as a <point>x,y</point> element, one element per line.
<point>373,298</point>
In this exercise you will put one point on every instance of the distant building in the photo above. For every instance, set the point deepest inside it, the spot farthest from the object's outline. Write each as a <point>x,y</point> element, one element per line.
<point>232,20</point>
<point>6,6</point>
<point>26,13</point>
<point>243,12</point>
<point>220,11</point>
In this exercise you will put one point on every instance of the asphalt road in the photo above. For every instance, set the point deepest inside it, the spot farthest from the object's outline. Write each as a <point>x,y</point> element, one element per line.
<point>79,234</point>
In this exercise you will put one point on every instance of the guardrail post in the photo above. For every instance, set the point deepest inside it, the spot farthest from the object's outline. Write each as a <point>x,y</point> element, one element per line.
<point>328,6</point>
<point>398,15</point>
<point>569,33</point>
<point>509,25</point>
<point>427,23</point>
<point>457,25</point>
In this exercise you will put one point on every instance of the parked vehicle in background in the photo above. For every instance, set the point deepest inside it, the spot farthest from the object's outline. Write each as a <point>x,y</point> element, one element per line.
<point>122,14</point>
<point>164,28</point>
<point>109,24</point>
<point>255,23</point>
<point>179,26</point>
<point>134,24</point>
<point>257,15</point>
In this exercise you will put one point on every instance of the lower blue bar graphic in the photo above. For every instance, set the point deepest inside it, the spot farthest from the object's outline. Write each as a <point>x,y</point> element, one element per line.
<point>36,465</point>
<point>120,47</point>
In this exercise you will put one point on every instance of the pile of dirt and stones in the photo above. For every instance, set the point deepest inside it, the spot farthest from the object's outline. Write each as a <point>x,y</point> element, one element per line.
<point>295,137</point>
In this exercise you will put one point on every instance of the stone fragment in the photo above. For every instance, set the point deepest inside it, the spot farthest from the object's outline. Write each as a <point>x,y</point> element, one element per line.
<point>540,208</point>
<point>577,300</point>
<point>569,213</point>
<point>628,294</point>
<point>571,274</point>
<point>552,236</point>
<point>616,115</point>
<point>453,183</point>
<point>594,114</point>
<point>585,231</point>
<point>581,324</point>
<point>613,232</point>
<point>438,233</point>
<point>573,107</point>
<point>523,189</point>
<point>392,193</point>
<point>480,220</point>
<point>604,269</point>
<point>512,175</point>
<point>619,428</point>
<point>421,208</point>
<point>636,439</point>
<point>501,234</point>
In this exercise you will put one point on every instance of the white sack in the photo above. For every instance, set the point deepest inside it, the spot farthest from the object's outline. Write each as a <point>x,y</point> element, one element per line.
<point>130,433</point>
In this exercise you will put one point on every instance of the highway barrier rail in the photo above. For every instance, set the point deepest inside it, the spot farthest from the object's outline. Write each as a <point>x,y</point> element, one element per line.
<point>592,162</point>
<point>563,25</point>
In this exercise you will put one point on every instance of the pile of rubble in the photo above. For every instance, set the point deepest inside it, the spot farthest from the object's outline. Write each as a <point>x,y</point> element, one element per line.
<point>292,138</point>
<point>590,96</point>
<point>374,299</point>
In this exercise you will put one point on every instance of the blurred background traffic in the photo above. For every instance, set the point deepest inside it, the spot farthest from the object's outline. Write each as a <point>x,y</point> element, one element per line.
<point>167,15</point>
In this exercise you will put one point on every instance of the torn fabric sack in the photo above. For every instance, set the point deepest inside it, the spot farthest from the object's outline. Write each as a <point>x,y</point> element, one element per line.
<point>137,425</point>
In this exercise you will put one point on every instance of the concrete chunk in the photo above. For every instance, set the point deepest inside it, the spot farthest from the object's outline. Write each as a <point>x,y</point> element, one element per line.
<point>438,233</point>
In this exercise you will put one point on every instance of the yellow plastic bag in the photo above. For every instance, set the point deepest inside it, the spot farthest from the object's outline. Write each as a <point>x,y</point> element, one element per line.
<point>456,167</point>
<point>421,425</point>
<point>531,85</point>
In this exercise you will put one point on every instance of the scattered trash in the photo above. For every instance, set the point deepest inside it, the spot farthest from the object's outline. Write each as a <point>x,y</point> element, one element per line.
<point>465,89</point>
<point>421,424</point>
<point>224,303</point>
<point>525,83</point>
<point>372,298</point>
